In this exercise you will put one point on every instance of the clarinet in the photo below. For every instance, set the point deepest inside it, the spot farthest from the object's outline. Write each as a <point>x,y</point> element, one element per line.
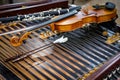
<point>38,16</point>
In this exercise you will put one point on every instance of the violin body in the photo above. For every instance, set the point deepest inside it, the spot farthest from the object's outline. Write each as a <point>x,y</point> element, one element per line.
<point>82,17</point>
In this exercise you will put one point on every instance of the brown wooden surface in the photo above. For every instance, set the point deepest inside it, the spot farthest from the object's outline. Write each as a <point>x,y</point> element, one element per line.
<point>18,5</point>
<point>34,8</point>
<point>106,68</point>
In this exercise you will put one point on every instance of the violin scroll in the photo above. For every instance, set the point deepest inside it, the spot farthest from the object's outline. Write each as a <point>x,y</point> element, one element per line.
<point>14,41</point>
<point>17,41</point>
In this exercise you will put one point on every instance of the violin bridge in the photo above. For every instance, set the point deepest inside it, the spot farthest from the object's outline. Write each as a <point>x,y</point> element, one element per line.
<point>113,38</point>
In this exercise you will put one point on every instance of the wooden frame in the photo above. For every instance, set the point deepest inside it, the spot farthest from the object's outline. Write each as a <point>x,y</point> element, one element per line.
<point>106,68</point>
<point>18,5</point>
<point>34,8</point>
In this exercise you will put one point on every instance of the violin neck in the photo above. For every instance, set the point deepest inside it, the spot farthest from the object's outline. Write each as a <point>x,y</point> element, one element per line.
<point>102,6</point>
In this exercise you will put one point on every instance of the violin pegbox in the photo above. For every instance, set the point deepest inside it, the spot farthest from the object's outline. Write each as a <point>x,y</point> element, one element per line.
<point>17,41</point>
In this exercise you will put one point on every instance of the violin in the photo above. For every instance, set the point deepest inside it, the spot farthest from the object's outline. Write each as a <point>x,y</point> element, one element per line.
<point>89,14</point>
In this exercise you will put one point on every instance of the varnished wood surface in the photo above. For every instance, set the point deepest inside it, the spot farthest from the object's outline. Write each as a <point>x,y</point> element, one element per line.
<point>18,5</point>
<point>35,8</point>
<point>81,18</point>
<point>93,2</point>
<point>105,69</point>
